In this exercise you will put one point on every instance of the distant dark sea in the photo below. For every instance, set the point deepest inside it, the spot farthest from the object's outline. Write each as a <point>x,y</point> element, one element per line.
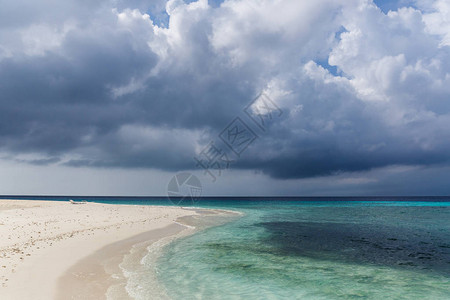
<point>214,201</point>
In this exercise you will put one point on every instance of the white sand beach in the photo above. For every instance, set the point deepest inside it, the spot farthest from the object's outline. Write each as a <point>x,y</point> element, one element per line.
<point>58,250</point>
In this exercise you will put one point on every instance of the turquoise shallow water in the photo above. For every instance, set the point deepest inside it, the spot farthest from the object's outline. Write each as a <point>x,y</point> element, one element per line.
<point>315,250</point>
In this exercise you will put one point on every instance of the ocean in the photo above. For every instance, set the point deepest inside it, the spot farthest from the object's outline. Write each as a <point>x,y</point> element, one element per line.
<point>299,249</point>
<point>309,248</point>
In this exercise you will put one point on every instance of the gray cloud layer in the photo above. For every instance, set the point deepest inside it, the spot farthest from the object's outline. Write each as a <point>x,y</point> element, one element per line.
<point>107,84</point>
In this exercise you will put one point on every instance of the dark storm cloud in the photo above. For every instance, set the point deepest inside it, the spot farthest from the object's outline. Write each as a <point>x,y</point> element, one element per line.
<point>100,85</point>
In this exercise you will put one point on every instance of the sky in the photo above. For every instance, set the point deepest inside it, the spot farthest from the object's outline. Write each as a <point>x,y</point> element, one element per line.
<point>254,97</point>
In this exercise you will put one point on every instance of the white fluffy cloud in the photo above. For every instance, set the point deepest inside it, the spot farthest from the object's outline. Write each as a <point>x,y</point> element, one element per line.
<point>438,21</point>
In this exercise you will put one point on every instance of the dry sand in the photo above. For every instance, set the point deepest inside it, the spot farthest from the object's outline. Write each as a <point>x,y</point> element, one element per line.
<point>58,250</point>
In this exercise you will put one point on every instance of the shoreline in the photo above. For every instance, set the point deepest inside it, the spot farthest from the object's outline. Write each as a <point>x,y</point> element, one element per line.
<point>54,250</point>
<point>143,258</point>
<point>101,275</point>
